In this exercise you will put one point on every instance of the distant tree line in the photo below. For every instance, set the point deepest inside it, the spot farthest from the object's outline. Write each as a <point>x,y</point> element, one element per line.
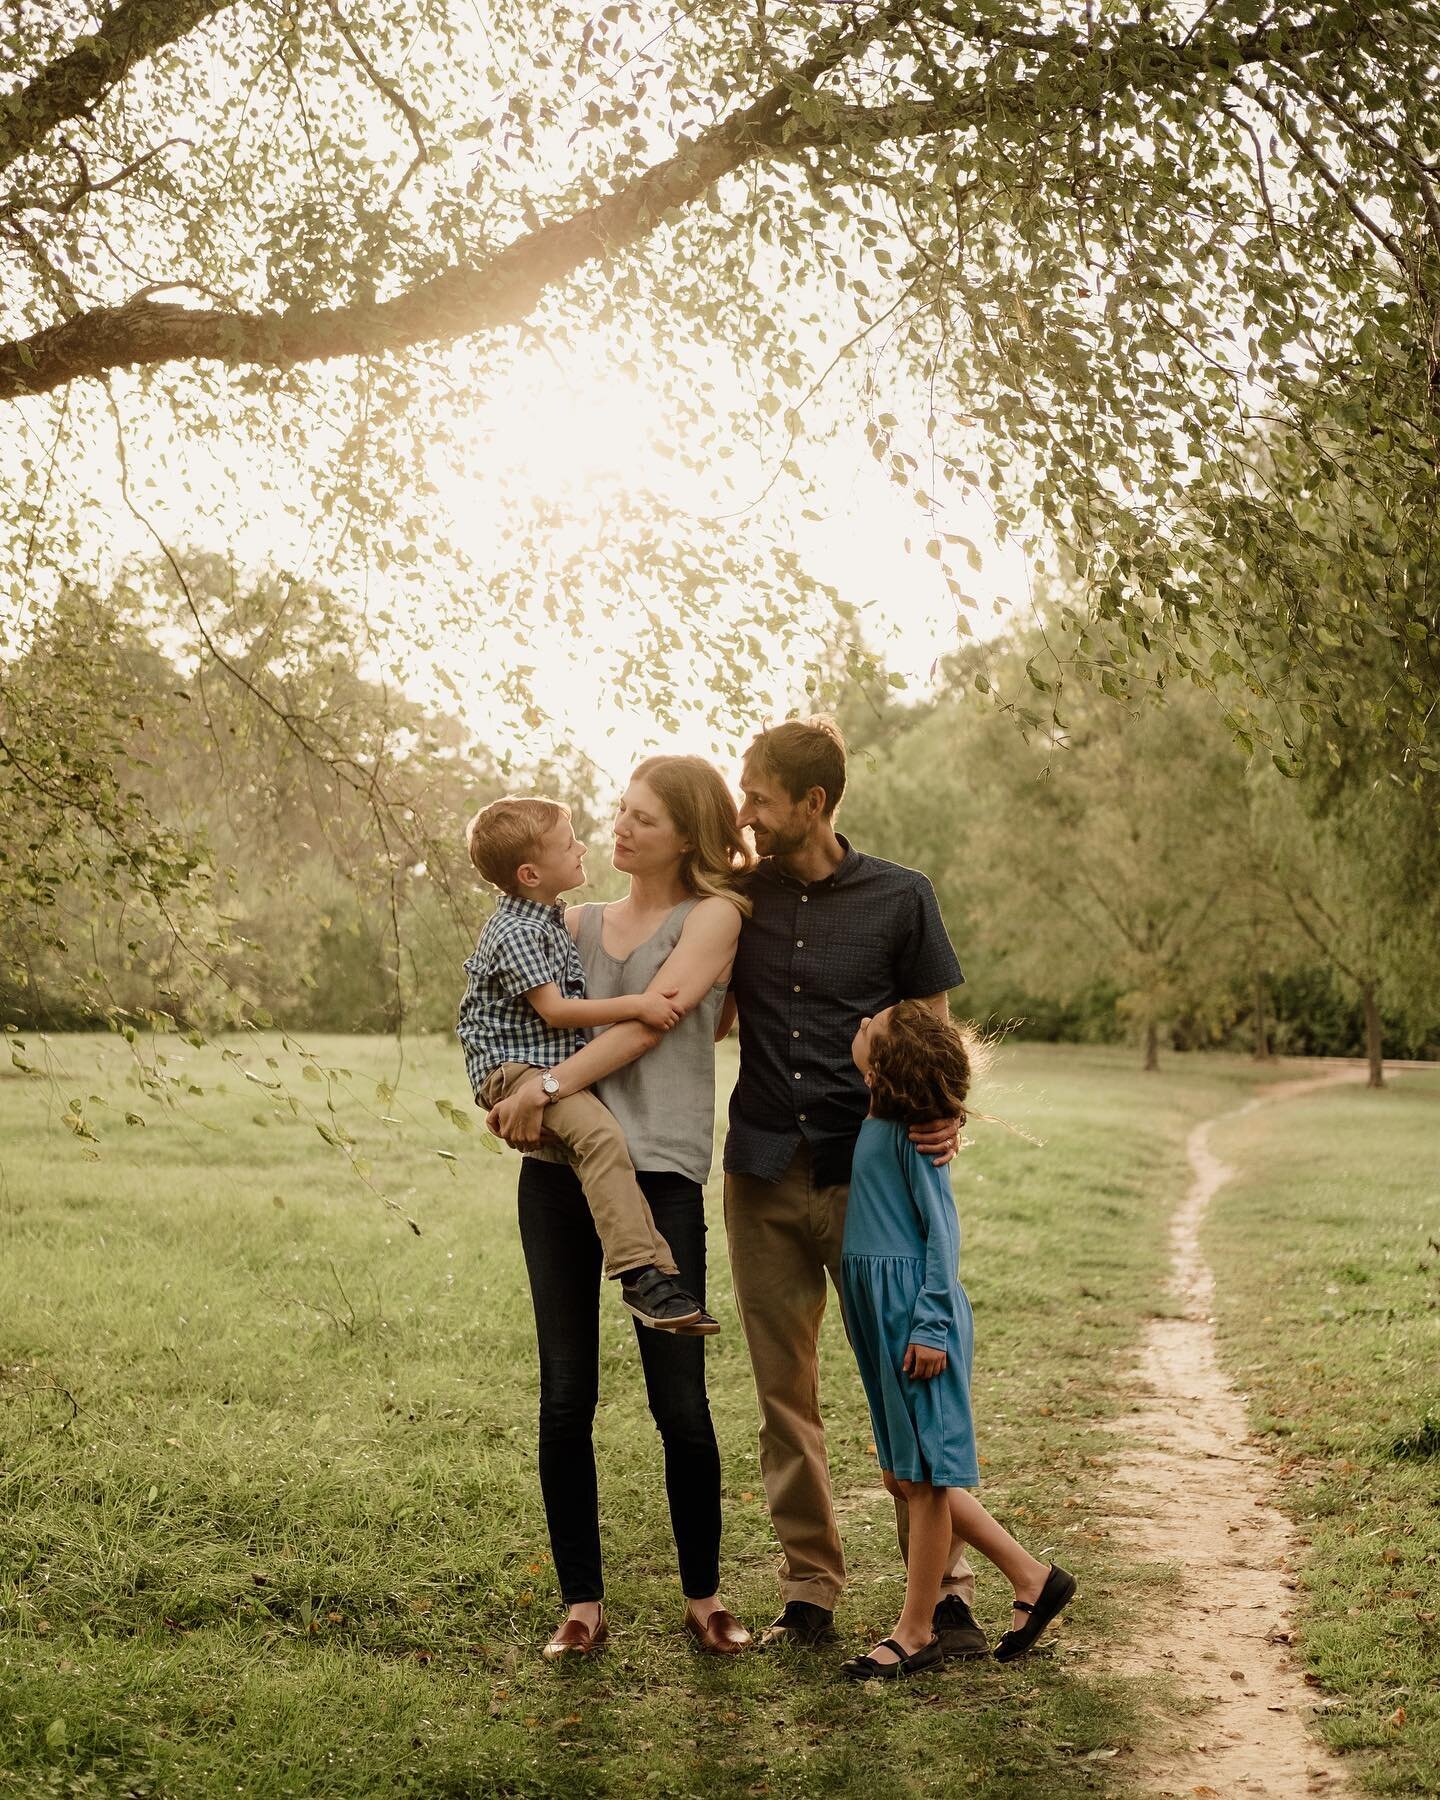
<point>250,821</point>
<point>242,821</point>
<point>1120,871</point>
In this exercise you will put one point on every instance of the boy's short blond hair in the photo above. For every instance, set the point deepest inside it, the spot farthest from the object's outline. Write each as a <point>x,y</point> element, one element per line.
<point>507,832</point>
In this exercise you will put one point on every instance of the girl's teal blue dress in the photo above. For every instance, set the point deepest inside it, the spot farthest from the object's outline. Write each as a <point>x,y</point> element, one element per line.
<point>900,1285</point>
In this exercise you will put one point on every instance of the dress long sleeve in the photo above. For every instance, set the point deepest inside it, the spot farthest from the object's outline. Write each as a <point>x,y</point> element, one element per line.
<point>935,1207</point>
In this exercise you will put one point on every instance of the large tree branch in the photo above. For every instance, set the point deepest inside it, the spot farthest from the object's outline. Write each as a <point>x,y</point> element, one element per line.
<point>471,298</point>
<point>79,80</point>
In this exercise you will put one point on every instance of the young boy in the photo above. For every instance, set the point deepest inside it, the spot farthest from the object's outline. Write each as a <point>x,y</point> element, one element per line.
<point>524,1008</point>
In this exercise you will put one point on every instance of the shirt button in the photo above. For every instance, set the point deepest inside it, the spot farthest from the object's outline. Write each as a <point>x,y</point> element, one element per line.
<point>801,1117</point>
<point>797,990</point>
<point>799,943</point>
<point>797,1074</point>
<point>804,899</point>
<point>794,1034</point>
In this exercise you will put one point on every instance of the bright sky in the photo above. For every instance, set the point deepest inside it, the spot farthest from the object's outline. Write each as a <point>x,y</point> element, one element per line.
<point>570,432</point>
<point>573,432</point>
<point>565,426</point>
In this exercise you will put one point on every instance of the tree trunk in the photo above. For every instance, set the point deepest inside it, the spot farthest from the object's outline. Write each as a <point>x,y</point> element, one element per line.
<point>1373,1050</point>
<point>1152,1046</point>
<point>1262,1026</point>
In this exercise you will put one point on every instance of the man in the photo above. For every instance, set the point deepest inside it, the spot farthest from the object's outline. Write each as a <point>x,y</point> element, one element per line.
<point>834,935</point>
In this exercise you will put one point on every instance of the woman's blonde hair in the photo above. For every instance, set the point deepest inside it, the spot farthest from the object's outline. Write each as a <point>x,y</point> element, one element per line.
<point>702,810</point>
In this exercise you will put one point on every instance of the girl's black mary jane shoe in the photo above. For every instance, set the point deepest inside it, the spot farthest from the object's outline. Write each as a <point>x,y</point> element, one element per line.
<point>865,1668</point>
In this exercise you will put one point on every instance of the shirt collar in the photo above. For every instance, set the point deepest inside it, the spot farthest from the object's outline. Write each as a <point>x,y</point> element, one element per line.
<point>531,909</point>
<point>846,867</point>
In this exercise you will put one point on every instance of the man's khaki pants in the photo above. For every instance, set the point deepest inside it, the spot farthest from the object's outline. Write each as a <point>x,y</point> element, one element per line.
<point>592,1140</point>
<point>784,1237</point>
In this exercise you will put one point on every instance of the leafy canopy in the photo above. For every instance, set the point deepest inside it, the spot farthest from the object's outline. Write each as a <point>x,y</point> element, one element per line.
<point>1083,266</point>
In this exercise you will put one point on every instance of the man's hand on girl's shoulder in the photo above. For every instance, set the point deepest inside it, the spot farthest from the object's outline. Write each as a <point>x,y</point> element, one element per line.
<point>939,1139</point>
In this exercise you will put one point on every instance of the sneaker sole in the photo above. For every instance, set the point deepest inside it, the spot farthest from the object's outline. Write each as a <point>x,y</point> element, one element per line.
<point>661,1324</point>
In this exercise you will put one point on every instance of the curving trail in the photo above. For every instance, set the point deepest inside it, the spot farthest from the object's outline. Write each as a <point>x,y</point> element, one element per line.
<point>1194,1492</point>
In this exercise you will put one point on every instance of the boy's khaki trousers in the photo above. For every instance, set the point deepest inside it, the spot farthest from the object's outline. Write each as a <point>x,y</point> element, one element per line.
<point>589,1134</point>
<point>785,1236</point>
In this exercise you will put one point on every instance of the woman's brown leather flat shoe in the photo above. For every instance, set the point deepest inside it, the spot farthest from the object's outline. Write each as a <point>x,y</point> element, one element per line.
<point>721,1634</point>
<point>575,1638</point>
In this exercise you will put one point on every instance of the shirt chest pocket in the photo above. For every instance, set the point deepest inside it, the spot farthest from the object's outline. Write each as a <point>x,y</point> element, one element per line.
<point>856,969</point>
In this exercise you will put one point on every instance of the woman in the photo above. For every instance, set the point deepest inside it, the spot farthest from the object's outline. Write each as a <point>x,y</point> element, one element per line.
<point>677,839</point>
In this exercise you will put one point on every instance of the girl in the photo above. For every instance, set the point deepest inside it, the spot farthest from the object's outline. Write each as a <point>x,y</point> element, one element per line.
<point>911,1329</point>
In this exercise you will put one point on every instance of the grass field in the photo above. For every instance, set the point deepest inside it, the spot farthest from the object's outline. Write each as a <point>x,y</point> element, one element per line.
<point>270,1522</point>
<point>1327,1257</point>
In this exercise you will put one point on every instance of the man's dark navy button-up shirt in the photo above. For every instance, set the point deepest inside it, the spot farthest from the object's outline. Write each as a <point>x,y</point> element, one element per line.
<point>814,959</point>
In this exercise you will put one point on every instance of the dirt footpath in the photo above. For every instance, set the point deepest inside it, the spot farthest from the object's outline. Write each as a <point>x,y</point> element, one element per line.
<point>1192,1491</point>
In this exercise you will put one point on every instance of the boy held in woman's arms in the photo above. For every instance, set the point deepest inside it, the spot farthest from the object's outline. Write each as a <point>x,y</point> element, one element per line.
<point>525,1008</point>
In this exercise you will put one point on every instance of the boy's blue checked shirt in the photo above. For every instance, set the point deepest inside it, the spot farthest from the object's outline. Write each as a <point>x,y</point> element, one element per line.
<point>524,945</point>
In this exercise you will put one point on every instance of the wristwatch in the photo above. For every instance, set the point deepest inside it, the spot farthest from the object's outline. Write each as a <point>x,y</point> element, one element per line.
<point>550,1087</point>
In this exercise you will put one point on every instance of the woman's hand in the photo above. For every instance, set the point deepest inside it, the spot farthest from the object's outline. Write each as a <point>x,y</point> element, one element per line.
<point>922,1362</point>
<point>939,1139</point>
<point>519,1119</point>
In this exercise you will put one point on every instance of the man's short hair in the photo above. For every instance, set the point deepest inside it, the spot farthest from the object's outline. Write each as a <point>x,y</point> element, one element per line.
<point>802,754</point>
<point>507,832</point>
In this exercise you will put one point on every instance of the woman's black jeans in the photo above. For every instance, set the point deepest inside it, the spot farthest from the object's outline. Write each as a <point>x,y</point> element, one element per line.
<point>564,1260</point>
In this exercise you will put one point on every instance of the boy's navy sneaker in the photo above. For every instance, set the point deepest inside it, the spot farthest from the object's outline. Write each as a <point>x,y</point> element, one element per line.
<point>800,1623</point>
<point>658,1300</point>
<point>705,1326</point>
<point>955,1628</point>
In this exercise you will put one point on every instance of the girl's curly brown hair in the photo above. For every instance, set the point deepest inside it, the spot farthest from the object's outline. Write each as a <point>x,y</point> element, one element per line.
<point>920,1066</point>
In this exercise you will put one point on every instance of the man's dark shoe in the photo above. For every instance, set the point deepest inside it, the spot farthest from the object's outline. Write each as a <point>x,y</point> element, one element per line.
<point>955,1629</point>
<point>800,1623</point>
<point>659,1300</point>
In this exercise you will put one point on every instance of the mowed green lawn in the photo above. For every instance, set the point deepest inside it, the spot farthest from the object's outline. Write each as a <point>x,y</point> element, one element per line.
<point>1327,1255</point>
<point>270,1522</point>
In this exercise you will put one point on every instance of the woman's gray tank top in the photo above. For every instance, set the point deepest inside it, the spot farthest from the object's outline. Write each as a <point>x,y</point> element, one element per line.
<point>665,1101</point>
